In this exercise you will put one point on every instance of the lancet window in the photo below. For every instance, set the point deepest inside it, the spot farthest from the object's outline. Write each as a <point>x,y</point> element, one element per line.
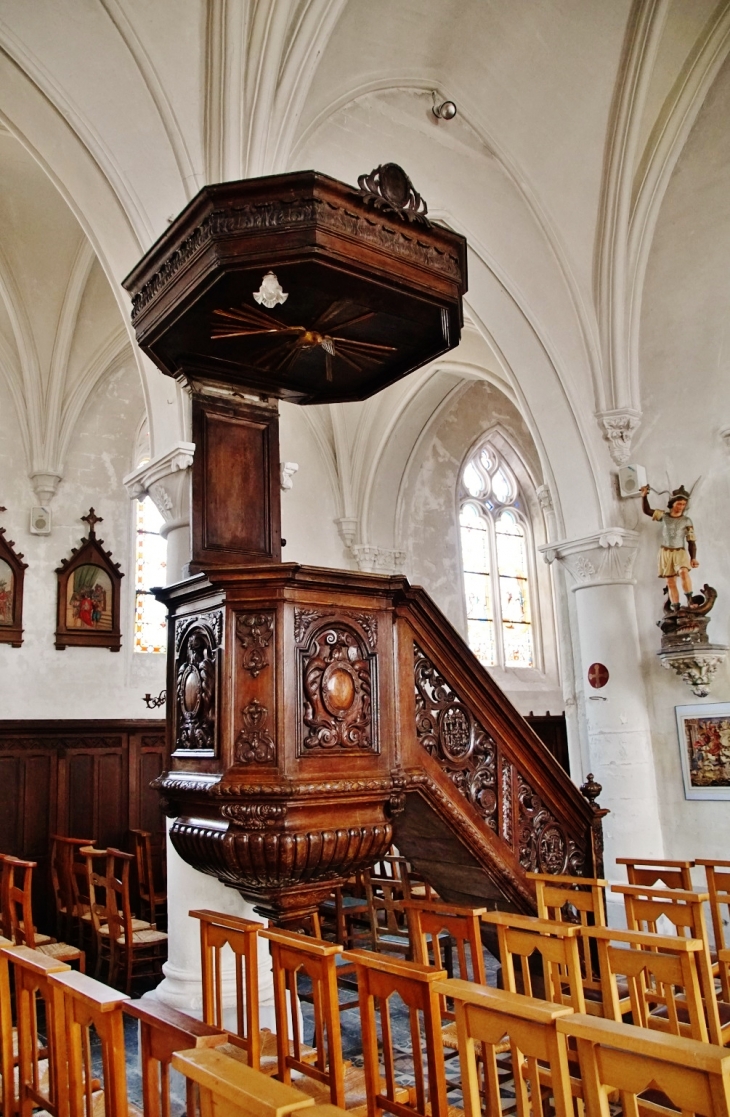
<point>495,543</point>
<point>150,617</point>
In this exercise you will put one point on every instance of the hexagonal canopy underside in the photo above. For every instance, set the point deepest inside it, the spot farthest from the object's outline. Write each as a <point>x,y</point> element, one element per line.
<point>371,295</point>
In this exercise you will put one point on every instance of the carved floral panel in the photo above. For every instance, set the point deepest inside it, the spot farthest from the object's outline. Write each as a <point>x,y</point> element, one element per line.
<point>337,678</point>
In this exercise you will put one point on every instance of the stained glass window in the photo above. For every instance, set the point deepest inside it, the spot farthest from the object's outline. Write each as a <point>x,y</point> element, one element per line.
<point>495,563</point>
<point>150,616</point>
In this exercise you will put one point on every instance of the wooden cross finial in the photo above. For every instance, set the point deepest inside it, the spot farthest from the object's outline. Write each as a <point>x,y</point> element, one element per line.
<point>92,519</point>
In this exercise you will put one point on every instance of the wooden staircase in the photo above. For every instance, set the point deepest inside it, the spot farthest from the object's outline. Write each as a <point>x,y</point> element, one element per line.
<point>485,802</point>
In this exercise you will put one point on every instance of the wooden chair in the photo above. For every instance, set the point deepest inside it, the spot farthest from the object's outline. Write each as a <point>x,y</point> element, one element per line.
<point>134,951</point>
<point>229,1088</point>
<point>217,931</point>
<point>577,900</point>
<point>162,1032</point>
<point>386,888</point>
<point>17,902</point>
<point>155,901</point>
<point>378,978</point>
<point>434,929</point>
<point>42,1077</point>
<point>329,1077</point>
<point>86,1004</point>
<point>489,1017</point>
<point>685,910</point>
<point>8,1036</point>
<point>344,911</point>
<point>557,945</point>
<point>658,970</point>
<point>658,874</point>
<point>688,1076</point>
<point>718,888</point>
<point>63,855</point>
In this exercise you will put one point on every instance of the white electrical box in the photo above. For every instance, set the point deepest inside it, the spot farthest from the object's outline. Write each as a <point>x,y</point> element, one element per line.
<point>40,521</point>
<point>631,480</point>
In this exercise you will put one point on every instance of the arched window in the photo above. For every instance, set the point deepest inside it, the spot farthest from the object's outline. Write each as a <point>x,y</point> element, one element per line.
<point>150,561</point>
<point>494,553</point>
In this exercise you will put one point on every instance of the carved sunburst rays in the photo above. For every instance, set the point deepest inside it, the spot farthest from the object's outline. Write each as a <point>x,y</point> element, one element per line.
<point>289,343</point>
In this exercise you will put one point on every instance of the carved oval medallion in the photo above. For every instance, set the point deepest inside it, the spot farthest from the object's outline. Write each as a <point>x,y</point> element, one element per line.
<point>551,850</point>
<point>191,691</point>
<point>338,690</point>
<point>456,735</point>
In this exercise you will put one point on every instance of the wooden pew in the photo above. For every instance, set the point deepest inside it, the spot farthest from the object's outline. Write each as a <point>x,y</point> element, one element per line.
<point>163,1031</point>
<point>230,1088</point>
<point>654,972</point>
<point>693,1077</point>
<point>486,1016</point>
<point>521,936</point>
<point>87,1002</point>
<point>39,1085</point>
<point>327,1075</point>
<point>378,978</point>
<point>218,930</point>
<point>7,1060</point>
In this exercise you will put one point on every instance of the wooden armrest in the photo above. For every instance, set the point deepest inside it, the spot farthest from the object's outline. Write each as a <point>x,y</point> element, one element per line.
<point>659,893</point>
<point>549,878</point>
<point>33,959</point>
<point>252,1092</point>
<point>499,1000</point>
<point>181,1031</point>
<point>223,920</point>
<point>87,989</point>
<point>302,942</point>
<point>532,923</point>
<point>675,943</point>
<point>653,863</point>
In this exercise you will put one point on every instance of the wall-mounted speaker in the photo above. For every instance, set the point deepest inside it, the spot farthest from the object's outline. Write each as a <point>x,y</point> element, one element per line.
<point>40,521</point>
<point>631,479</point>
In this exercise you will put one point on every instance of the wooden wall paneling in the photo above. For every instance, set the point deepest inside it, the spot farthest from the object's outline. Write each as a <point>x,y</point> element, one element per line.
<point>85,779</point>
<point>236,494</point>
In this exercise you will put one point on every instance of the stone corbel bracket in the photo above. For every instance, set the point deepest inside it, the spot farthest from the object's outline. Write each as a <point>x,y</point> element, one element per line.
<point>604,559</point>
<point>166,480</point>
<point>696,665</point>
<point>618,428</point>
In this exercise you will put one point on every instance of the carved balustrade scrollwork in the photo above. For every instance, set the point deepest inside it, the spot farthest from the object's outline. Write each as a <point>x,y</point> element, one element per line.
<point>489,777</point>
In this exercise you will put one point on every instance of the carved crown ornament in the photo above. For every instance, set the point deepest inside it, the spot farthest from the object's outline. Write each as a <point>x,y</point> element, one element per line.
<point>12,575</point>
<point>88,594</point>
<point>606,558</point>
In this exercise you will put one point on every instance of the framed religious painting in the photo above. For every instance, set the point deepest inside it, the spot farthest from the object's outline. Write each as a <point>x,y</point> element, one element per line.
<point>12,572</point>
<point>89,585</point>
<point>704,745</point>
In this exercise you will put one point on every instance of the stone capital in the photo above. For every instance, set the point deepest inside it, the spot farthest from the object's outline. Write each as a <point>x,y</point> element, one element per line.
<point>618,429</point>
<point>166,481</point>
<point>603,559</point>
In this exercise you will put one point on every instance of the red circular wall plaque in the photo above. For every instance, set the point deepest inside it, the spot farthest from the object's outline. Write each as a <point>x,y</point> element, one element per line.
<point>598,675</point>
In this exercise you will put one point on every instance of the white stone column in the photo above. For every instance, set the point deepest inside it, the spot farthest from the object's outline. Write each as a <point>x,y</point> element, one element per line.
<point>618,728</point>
<point>167,481</point>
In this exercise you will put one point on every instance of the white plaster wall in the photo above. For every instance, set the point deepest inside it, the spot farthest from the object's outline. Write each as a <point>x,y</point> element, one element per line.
<point>308,509</point>
<point>36,680</point>
<point>685,369</point>
<point>429,525</point>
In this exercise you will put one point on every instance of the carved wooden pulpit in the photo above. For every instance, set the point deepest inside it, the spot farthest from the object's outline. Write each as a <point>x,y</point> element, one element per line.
<point>283,680</point>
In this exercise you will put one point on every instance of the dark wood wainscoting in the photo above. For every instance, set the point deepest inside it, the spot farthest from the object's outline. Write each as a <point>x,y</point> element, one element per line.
<point>84,779</point>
